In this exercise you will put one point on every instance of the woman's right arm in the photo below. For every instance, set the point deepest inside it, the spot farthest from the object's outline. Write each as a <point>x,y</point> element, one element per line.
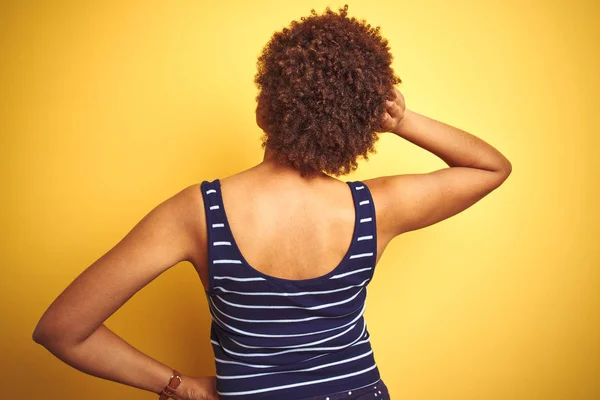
<point>413,201</point>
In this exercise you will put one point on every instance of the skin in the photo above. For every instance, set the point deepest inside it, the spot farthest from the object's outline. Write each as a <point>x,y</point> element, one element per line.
<point>265,205</point>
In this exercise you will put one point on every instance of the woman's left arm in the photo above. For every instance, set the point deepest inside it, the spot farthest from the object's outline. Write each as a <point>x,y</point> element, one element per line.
<point>73,329</point>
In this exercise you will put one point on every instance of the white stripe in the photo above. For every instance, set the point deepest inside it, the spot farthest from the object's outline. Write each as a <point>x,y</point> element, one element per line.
<point>367,340</point>
<point>295,346</point>
<point>241,363</point>
<point>364,237</point>
<point>291,350</point>
<point>239,279</point>
<point>355,344</point>
<point>299,384</point>
<point>319,307</point>
<point>359,187</point>
<point>263,321</point>
<point>349,273</point>
<point>361,255</point>
<point>225,243</point>
<point>290,294</point>
<point>222,225</point>
<point>298,370</point>
<point>365,219</point>
<point>226,261</point>
<point>214,207</point>
<point>222,324</point>
<point>362,203</point>
<point>211,191</point>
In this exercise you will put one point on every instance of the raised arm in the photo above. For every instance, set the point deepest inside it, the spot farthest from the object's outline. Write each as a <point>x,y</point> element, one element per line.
<point>412,201</point>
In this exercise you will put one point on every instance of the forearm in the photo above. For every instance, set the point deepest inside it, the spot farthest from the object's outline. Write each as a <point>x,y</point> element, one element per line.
<point>105,355</point>
<point>454,146</point>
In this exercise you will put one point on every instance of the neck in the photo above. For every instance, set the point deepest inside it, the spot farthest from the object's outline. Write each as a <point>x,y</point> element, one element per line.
<point>274,167</point>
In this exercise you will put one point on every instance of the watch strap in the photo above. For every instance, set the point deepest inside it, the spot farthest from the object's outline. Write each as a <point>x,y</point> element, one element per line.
<point>172,386</point>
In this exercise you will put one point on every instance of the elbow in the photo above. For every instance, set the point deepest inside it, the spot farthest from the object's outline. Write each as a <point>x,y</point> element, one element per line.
<point>52,333</point>
<point>49,340</point>
<point>503,173</point>
<point>46,330</point>
<point>54,336</point>
<point>506,169</point>
<point>44,334</point>
<point>39,335</point>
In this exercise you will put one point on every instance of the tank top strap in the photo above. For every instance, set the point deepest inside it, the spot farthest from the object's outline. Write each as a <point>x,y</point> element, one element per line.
<point>365,237</point>
<point>213,206</point>
<point>221,248</point>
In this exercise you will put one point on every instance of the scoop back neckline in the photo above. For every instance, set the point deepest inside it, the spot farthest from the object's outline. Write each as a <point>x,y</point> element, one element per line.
<point>268,277</point>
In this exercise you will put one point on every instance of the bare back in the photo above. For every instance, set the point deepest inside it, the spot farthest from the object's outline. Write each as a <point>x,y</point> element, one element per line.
<point>286,228</point>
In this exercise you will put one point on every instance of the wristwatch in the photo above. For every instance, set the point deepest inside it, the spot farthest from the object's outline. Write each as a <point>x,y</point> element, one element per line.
<point>172,386</point>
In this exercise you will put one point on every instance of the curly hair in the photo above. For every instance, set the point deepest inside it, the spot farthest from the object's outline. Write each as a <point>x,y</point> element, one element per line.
<point>323,83</point>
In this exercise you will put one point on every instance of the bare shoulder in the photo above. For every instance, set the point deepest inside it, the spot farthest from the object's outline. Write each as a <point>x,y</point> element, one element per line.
<point>192,212</point>
<point>378,188</point>
<point>185,209</point>
<point>188,206</point>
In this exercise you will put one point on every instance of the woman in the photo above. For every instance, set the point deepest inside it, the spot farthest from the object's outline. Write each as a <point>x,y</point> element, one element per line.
<point>284,250</point>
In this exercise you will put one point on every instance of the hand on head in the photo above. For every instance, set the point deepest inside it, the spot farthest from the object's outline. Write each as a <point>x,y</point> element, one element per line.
<point>394,112</point>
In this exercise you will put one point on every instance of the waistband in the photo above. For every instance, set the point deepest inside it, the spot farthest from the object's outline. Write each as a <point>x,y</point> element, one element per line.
<point>375,391</point>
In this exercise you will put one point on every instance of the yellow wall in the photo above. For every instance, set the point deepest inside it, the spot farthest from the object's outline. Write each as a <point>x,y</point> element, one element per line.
<point>108,109</point>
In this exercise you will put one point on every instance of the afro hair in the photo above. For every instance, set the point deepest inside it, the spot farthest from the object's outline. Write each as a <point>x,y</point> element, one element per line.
<point>323,83</point>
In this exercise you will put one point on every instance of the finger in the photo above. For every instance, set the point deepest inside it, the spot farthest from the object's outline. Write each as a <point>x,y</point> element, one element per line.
<point>391,107</point>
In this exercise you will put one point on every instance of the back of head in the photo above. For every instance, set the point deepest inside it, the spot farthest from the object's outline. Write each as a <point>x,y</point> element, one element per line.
<point>323,83</point>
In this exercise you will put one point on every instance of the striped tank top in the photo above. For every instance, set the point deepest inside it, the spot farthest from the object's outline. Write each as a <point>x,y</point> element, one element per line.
<point>277,338</point>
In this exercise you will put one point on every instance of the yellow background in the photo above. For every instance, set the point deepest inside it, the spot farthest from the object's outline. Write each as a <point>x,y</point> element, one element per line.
<point>107,109</point>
